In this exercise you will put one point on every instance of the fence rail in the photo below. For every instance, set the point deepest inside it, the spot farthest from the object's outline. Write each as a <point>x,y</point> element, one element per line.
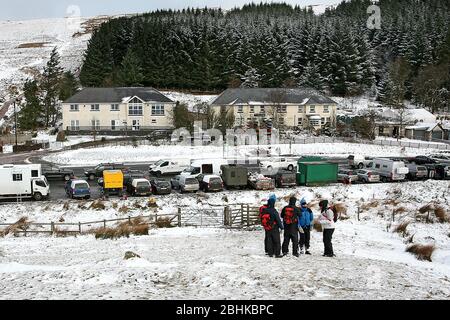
<point>227,217</point>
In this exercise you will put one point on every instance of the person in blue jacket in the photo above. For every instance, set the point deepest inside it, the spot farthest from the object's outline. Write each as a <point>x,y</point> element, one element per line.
<point>305,224</point>
<point>272,224</point>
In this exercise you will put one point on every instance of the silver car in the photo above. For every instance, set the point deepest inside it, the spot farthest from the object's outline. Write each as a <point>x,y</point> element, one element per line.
<point>368,176</point>
<point>347,176</point>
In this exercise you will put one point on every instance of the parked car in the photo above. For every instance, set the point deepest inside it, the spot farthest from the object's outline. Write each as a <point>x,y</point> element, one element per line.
<point>438,171</point>
<point>260,182</point>
<point>357,161</point>
<point>442,158</point>
<point>167,167</point>
<point>78,189</point>
<point>389,170</point>
<point>272,165</point>
<point>189,184</point>
<point>160,186</point>
<point>139,187</point>
<point>284,179</point>
<point>422,160</point>
<point>347,176</point>
<point>210,182</point>
<point>368,176</point>
<point>57,173</point>
<point>416,172</point>
<point>97,172</point>
<point>175,182</point>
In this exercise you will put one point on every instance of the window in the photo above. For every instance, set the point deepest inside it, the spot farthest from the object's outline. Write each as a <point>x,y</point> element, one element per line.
<point>377,166</point>
<point>281,109</point>
<point>40,183</point>
<point>263,110</point>
<point>312,109</point>
<point>240,109</point>
<point>158,110</point>
<point>75,125</point>
<point>114,124</point>
<point>17,177</point>
<point>315,123</point>
<point>381,130</point>
<point>326,109</point>
<point>95,107</point>
<point>322,121</point>
<point>153,121</point>
<point>74,107</point>
<point>252,109</point>
<point>95,124</point>
<point>301,109</point>
<point>115,107</point>
<point>300,122</point>
<point>136,125</point>
<point>34,173</point>
<point>135,107</point>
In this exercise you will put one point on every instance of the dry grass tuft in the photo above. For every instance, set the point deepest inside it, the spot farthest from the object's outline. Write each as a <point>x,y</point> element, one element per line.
<point>115,205</point>
<point>399,210</point>
<point>317,226</point>
<point>422,252</point>
<point>66,206</point>
<point>341,208</point>
<point>98,205</point>
<point>151,203</point>
<point>124,209</point>
<point>32,45</point>
<point>426,208</point>
<point>370,205</point>
<point>441,214</point>
<point>402,228</point>
<point>164,223</point>
<point>137,205</point>
<point>137,227</point>
<point>21,225</point>
<point>392,202</point>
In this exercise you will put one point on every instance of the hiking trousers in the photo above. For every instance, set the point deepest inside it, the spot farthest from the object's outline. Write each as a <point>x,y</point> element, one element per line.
<point>273,242</point>
<point>290,234</point>
<point>305,238</point>
<point>327,238</point>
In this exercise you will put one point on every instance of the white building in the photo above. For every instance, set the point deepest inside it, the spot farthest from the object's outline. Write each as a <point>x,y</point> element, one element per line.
<point>112,110</point>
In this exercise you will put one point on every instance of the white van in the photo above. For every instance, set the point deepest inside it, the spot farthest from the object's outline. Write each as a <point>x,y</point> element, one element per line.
<point>389,170</point>
<point>23,181</point>
<point>168,167</point>
<point>206,167</point>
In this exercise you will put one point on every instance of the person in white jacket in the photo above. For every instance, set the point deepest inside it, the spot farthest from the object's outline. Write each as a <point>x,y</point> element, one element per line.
<point>326,219</point>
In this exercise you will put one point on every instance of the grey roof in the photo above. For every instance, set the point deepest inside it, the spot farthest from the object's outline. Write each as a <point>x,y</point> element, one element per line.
<point>268,95</point>
<point>116,95</point>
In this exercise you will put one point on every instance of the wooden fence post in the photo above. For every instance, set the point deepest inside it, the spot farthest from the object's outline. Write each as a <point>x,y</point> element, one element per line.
<point>104,224</point>
<point>79,227</point>
<point>129,220</point>
<point>225,216</point>
<point>248,215</point>
<point>179,217</point>
<point>393,215</point>
<point>242,214</point>
<point>358,213</point>
<point>52,227</point>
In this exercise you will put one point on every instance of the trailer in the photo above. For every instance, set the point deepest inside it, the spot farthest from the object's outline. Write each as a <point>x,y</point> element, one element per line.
<point>313,173</point>
<point>23,181</point>
<point>234,176</point>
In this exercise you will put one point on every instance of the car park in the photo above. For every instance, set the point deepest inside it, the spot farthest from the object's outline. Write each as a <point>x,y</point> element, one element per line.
<point>347,176</point>
<point>210,183</point>
<point>139,187</point>
<point>97,172</point>
<point>160,186</point>
<point>57,173</point>
<point>368,176</point>
<point>77,189</point>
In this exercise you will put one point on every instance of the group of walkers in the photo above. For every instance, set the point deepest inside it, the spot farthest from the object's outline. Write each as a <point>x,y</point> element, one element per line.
<point>295,221</point>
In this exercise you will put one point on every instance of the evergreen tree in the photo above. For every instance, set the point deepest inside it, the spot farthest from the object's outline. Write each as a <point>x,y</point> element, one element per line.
<point>50,88</point>
<point>68,85</point>
<point>251,79</point>
<point>30,113</point>
<point>131,72</point>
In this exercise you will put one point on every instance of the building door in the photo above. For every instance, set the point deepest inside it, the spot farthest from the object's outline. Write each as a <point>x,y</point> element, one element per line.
<point>136,126</point>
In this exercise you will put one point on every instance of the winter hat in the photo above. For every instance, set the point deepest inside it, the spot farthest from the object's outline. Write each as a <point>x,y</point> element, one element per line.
<point>303,201</point>
<point>271,202</point>
<point>273,197</point>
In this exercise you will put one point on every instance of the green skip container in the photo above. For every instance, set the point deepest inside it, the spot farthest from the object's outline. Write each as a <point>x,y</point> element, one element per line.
<point>316,173</point>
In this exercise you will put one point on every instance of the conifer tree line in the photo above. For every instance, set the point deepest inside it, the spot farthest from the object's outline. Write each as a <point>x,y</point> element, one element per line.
<point>43,93</point>
<point>277,45</point>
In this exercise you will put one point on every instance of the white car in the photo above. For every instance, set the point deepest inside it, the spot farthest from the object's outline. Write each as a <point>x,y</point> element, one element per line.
<point>272,165</point>
<point>167,167</point>
<point>358,162</point>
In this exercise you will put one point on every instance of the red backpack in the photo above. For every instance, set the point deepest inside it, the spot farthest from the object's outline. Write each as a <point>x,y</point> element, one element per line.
<point>266,221</point>
<point>289,216</point>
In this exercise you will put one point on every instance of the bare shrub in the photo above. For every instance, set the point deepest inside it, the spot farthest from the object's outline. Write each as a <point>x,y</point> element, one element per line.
<point>115,205</point>
<point>399,210</point>
<point>426,208</point>
<point>422,252</point>
<point>341,208</point>
<point>137,205</point>
<point>124,209</point>
<point>66,206</point>
<point>151,203</point>
<point>392,202</point>
<point>402,228</point>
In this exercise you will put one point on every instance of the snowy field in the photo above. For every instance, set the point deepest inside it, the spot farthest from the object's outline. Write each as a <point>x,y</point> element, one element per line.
<point>191,100</point>
<point>130,154</point>
<point>213,263</point>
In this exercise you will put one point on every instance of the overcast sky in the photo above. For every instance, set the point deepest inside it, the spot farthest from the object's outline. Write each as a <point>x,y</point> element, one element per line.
<point>26,9</point>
